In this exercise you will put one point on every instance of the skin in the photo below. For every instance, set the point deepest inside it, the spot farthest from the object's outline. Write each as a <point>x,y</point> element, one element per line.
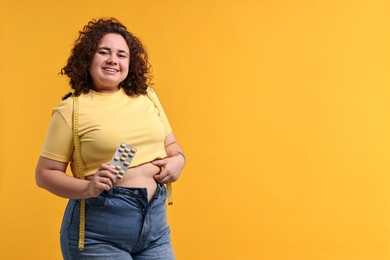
<point>110,65</point>
<point>108,68</point>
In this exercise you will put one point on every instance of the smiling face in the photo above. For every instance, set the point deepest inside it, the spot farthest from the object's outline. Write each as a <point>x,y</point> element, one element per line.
<point>110,64</point>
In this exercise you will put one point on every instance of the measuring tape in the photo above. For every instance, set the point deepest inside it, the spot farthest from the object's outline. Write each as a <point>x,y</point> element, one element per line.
<point>81,169</point>
<point>169,185</point>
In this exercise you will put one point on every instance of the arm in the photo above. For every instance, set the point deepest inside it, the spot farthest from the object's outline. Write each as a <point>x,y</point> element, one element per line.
<point>173,164</point>
<point>50,175</point>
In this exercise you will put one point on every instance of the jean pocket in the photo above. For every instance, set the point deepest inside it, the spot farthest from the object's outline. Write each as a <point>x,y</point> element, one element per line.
<point>98,202</point>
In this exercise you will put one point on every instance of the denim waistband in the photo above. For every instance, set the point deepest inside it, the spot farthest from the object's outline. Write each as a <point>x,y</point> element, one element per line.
<point>133,192</point>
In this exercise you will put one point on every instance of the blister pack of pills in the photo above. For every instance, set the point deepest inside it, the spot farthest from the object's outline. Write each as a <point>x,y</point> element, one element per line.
<point>122,159</point>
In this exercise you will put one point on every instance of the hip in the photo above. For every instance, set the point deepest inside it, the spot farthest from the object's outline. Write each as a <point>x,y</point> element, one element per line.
<point>121,216</point>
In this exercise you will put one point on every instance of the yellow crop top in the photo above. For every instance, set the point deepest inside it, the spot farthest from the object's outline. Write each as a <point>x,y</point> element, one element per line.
<point>105,120</point>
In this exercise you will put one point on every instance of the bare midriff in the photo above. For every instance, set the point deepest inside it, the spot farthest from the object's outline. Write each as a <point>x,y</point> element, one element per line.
<point>141,176</point>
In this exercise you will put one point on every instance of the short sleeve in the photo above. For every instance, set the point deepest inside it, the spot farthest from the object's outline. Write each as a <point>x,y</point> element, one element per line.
<point>58,144</point>
<point>153,96</point>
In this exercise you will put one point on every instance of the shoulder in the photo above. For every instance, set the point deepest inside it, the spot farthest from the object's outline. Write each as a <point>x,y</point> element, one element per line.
<point>65,109</point>
<point>151,92</point>
<point>64,105</point>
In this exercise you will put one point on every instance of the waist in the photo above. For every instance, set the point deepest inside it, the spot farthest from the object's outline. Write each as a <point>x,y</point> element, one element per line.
<point>143,170</point>
<point>141,176</point>
<point>135,192</point>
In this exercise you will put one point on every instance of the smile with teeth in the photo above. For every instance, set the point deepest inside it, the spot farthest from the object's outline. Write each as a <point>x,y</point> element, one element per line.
<point>110,69</point>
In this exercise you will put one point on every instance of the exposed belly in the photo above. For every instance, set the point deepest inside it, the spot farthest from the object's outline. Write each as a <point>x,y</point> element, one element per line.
<point>141,176</point>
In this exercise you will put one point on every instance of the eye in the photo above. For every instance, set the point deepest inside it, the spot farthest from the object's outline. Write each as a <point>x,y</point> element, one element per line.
<point>122,56</point>
<point>103,52</point>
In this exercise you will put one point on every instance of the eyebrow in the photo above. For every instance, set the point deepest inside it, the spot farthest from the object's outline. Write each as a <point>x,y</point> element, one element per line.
<point>108,49</point>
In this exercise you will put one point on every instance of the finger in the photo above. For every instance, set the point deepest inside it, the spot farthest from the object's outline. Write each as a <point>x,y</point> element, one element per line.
<point>112,177</point>
<point>167,178</point>
<point>157,178</point>
<point>108,187</point>
<point>102,187</point>
<point>106,167</point>
<point>163,176</point>
<point>162,180</point>
<point>105,180</point>
<point>158,162</point>
<point>107,174</point>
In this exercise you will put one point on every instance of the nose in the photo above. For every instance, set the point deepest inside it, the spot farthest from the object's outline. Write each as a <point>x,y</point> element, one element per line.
<point>110,60</point>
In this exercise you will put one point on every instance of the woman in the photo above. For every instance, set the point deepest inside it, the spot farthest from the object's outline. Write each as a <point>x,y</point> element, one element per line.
<point>124,219</point>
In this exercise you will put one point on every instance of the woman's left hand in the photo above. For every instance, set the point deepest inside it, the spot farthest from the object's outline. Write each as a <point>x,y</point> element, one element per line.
<point>171,168</point>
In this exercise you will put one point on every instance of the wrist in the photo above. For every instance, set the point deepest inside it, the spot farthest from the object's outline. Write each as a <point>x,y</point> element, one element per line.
<point>178,153</point>
<point>86,191</point>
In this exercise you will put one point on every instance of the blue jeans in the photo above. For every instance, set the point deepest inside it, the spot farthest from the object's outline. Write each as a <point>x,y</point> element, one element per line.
<point>120,224</point>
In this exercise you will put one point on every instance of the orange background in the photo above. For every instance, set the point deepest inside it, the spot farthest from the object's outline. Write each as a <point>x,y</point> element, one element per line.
<point>281,106</point>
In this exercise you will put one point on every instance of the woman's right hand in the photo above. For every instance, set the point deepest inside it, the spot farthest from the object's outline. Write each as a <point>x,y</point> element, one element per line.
<point>102,180</point>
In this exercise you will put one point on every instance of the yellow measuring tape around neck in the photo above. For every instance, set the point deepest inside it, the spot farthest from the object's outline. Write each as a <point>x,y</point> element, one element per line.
<point>80,167</point>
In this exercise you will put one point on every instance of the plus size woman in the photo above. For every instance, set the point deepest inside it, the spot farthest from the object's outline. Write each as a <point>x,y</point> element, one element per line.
<point>124,218</point>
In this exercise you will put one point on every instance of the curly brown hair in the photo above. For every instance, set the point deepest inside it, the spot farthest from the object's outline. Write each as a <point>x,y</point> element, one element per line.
<point>77,67</point>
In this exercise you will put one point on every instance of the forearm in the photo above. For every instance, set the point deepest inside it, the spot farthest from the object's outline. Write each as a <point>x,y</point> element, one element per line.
<point>61,184</point>
<point>171,166</point>
<point>174,149</point>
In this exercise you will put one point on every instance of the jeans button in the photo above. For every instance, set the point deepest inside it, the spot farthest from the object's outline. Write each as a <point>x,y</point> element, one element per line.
<point>136,192</point>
